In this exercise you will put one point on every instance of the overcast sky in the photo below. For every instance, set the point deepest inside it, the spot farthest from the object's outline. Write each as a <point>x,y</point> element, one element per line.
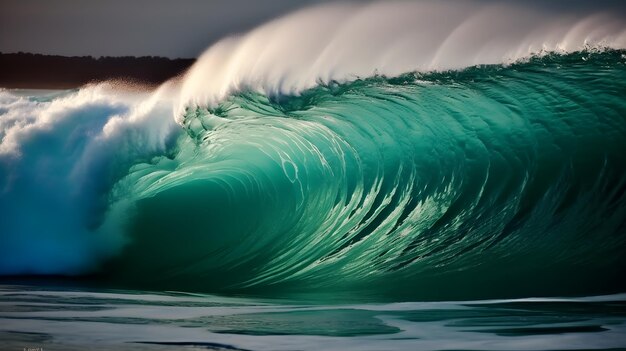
<point>180,28</point>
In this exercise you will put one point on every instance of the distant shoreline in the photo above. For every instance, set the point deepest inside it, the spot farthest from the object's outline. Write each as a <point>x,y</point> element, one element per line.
<point>36,71</point>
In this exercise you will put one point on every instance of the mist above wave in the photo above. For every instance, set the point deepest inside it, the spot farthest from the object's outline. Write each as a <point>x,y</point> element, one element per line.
<point>345,41</point>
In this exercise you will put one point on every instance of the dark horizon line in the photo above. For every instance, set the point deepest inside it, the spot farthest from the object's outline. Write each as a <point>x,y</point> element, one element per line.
<point>40,71</point>
<point>96,56</point>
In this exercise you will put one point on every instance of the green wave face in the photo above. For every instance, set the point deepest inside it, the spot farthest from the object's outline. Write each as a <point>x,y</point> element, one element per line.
<point>491,181</point>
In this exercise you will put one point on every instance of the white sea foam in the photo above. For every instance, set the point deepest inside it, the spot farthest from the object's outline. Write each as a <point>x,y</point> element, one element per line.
<point>58,150</point>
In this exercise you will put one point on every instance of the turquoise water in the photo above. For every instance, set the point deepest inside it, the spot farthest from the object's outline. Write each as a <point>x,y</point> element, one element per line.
<point>422,186</point>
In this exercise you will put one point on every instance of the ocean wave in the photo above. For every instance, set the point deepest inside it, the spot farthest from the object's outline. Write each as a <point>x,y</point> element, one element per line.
<point>496,180</point>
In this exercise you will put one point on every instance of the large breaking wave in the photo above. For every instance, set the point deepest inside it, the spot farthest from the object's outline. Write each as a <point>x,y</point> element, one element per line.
<point>321,165</point>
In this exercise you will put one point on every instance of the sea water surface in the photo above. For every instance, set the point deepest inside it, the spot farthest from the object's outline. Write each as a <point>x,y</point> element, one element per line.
<point>97,319</point>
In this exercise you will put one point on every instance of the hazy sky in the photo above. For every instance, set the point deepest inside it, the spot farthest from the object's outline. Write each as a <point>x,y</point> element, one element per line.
<point>180,28</point>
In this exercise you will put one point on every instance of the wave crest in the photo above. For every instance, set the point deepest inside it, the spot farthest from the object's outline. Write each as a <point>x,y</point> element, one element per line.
<point>342,42</point>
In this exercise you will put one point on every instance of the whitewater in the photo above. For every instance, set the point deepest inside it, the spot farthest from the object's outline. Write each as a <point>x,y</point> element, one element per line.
<point>397,150</point>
